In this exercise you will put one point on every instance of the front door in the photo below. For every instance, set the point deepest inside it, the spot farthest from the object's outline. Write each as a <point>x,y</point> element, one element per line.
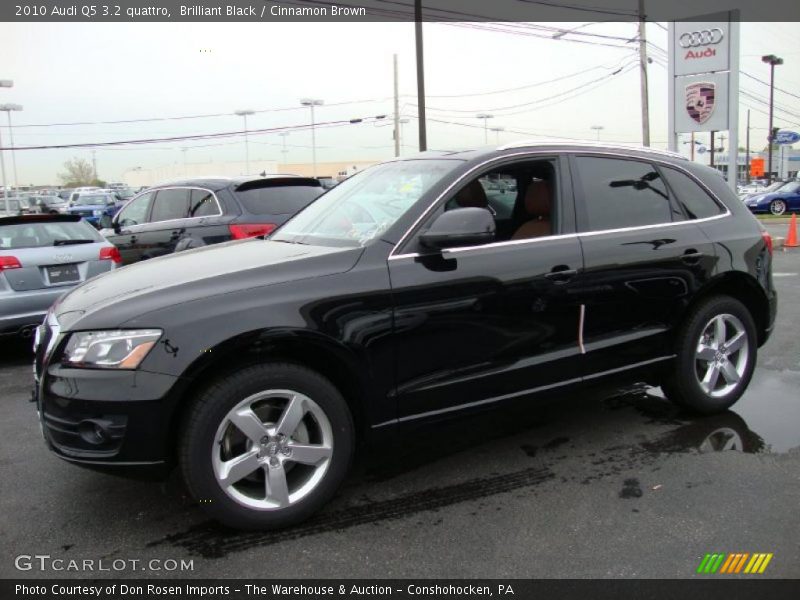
<point>476,325</point>
<point>128,226</point>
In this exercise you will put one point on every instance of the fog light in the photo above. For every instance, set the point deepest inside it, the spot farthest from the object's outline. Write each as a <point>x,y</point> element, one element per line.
<point>94,431</point>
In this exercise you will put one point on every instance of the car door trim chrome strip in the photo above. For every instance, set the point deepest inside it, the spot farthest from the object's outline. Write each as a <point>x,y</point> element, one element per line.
<point>541,388</point>
<point>581,320</point>
<point>717,201</point>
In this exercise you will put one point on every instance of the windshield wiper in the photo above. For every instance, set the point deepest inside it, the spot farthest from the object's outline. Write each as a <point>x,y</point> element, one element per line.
<point>70,242</point>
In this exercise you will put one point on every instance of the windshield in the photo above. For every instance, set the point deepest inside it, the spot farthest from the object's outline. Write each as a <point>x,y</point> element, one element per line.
<point>361,208</point>
<point>55,233</point>
<point>790,187</point>
<point>92,200</point>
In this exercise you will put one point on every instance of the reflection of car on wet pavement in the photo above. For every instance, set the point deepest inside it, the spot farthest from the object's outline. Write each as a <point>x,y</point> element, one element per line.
<point>647,268</point>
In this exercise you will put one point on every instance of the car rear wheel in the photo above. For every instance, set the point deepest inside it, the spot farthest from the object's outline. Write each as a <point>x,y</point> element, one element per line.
<point>777,207</point>
<point>716,354</point>
<point>266,446</point>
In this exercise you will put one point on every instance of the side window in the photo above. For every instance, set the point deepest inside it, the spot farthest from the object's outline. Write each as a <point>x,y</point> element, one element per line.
<point>135,213</point>
<point>170,204</point>
<point>696,202</point>
<point>621,193</point>
<point>521,197</point>
<point>202,204</point>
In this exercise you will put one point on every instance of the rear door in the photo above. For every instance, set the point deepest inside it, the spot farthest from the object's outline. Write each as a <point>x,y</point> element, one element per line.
<point>643,260</point>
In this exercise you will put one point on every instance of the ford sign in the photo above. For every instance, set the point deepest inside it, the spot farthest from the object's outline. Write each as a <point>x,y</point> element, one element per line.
<point>787,137</point>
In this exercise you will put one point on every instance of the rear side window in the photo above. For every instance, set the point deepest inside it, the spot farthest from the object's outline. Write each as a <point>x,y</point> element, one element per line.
<point>278,200</point>
<point>694,200</point>
<point>170,204</point>
<point>38,235</point>
<point>202,204</point>
<point>621,193</point>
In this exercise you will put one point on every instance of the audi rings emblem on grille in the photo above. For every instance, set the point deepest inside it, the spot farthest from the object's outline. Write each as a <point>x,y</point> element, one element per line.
<point>704,37</point>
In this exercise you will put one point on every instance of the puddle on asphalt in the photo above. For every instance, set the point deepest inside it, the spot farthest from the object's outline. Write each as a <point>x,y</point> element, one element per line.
<point>765,419</point>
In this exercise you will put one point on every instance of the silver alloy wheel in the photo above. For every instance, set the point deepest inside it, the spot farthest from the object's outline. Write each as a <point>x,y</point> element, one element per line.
<point>777,207</point>
<point>272,449</point>
<point>722,440</point>
<point>721,356</point>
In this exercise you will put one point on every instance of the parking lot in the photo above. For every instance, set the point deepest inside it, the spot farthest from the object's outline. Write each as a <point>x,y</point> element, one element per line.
<point>592,485</point>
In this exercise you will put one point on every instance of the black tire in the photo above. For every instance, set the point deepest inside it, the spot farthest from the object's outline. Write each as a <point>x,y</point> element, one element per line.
<point>682,385</point>
<point>210,409</point>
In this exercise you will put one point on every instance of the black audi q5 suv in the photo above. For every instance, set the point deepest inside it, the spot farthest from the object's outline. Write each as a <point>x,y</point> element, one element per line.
<point>418,289</point>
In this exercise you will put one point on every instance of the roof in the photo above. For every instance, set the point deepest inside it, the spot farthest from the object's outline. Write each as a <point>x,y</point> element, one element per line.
<point>218,182</point>
<point>588,145</point>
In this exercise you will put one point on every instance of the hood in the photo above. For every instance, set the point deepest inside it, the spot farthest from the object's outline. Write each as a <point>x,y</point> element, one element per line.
<point>116,297</point>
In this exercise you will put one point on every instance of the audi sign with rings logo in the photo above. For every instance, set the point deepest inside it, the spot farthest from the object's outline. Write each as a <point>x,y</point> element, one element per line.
<point>704,37</point>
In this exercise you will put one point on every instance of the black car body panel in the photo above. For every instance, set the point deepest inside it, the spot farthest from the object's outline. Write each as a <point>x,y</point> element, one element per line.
<point>407,333</point>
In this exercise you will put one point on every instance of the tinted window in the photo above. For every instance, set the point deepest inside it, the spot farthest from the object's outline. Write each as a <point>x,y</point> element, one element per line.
<point>621,193</point>
<point>135,213</point>
<point>202,204</point>
<point>278,200</point>
<point>695,200</point>
<point>170,204</point>
<point>36,235</point>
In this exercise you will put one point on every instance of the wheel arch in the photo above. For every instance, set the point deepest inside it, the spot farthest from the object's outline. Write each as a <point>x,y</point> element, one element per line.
<point>743,287</point>
<point>315,351</point>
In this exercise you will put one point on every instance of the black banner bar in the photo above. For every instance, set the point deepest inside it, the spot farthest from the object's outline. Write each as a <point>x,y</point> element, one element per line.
<point>388,10</point>
<point>707,588</point>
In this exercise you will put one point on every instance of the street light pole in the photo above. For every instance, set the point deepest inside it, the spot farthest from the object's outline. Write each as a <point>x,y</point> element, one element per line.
<point>597,129</point>
<point>284,151</point>
<point>485,117</point>
<point>497,131</point>
<point>311,103</point>
<point>9,108</point>
<point>6,83</point>
<point>771,60</point>
<point>423,127</point>
<point>244,113</point>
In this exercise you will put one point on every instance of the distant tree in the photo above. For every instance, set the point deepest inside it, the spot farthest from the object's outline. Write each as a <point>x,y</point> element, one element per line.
<point>77,172</point>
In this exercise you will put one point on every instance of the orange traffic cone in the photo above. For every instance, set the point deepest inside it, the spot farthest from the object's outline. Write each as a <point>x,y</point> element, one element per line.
<point>791,236</point>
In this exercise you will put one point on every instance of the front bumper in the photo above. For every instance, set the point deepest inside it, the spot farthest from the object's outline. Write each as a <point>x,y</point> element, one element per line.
<point>103,418</point>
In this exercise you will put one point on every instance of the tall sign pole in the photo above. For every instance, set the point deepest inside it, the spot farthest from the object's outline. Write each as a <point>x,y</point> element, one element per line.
<point>704,80</point>
<point>733,102</point>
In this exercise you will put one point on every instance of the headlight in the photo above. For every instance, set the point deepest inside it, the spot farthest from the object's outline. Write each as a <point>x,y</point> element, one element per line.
<point>120,349</point>
<point>97,213</point>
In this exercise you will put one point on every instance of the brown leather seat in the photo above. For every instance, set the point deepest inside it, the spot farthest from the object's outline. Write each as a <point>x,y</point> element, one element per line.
<point>538,200</point>
<point>472,196</point>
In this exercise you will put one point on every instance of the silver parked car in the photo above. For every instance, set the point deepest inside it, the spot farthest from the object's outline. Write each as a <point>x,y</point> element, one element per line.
<point>41,257</point>
<point>10,206</point>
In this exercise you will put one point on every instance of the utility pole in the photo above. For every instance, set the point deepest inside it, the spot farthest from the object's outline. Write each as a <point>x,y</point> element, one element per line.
<point>485,117</point>
<point>747,149</point>
<point>643,76</point>
<point>693,146</point>
<point>771,60</point>
<point>94,165</point>
<point>396,110</point>
<point>244,113</point>
<point>311,103</point>
<point>423,134</point>
<point>284,151</point>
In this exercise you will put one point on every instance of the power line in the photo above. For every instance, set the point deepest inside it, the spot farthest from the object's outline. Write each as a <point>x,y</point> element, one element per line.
<point>202,136</point>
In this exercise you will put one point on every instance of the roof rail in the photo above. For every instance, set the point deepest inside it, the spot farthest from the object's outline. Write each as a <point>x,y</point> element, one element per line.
<point>589,144</point>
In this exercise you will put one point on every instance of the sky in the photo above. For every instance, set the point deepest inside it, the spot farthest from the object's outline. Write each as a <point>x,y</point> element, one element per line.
<point>534,87</point>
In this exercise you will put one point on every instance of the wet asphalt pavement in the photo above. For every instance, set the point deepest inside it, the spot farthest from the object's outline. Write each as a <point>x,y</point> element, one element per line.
<point>590,485</point>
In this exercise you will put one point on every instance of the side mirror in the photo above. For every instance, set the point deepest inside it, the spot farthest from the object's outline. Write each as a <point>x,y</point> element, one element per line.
<point>105,222</point>
<point>460,227</point>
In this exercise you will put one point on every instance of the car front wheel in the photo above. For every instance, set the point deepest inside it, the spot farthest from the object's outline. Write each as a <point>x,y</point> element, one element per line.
<point>716,354</point>
<point>266,446</point>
